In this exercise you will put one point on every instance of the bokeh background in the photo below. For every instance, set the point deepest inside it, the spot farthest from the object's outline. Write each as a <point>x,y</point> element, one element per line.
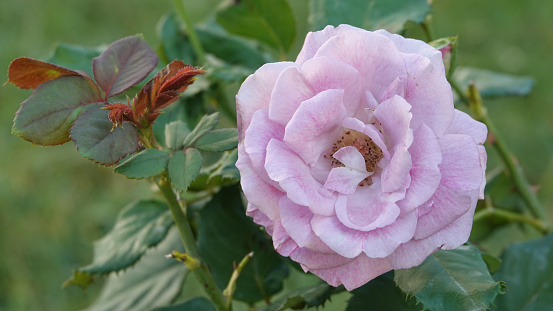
<point>54,204</point>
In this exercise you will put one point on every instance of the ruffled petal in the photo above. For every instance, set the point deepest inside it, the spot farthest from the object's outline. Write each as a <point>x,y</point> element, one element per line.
<point>344,180</point>
<point>315,125</point>
<point>293,175</point>
<point>369,130</point>
<point>395,88</point>
<point>282,242</point>
<point>464,124</point>
<point>461,165</point>
<point>314,40</point>
<point>255,93</point>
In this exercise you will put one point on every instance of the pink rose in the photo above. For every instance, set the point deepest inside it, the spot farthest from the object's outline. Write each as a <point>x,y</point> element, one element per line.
<point>353,157</point>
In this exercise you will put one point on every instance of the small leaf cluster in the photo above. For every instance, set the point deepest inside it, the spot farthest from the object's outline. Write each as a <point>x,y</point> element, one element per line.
<point>71,105</point>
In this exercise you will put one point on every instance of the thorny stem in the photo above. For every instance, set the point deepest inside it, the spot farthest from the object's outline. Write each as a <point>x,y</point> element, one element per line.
<point>178,211</point>
<point>491,211</point>
<point>480,113</point>
<point>196,44</point>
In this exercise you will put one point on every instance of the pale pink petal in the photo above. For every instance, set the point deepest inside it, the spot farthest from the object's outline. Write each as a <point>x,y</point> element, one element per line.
<point>259,217</point>
<point>429,94</point>
<point>372,54</point>
<point>367,209</point>
<point>255,93</point>
<point>290,90</point>
<point>351,157</point>
<point>314,40</point>
<point>414,252</point>
<point>293,175</point>
<point>323,73</point>
<point>395,117</point>
<point>395,88</point>
<point>460,168</point>
<point>483,160</point>
<point>372,103</point>
<point>412,46</point>
<point>344,241</point>
<point>426,156</point>
<point>315,125</point>
<point>259,193</point>
<point>282,242</point>
<point>464,124</point>
<point>296,220</point>
<point>356,273</point>
<point>316,260</point>
<point>344,179</point>
<point>258,135</point>
<point>447,205</point>
<point>382,242</point>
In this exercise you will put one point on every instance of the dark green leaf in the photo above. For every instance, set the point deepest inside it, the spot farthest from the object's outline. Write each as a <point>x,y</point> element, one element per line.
<point>221,173</point>
<point>139,226</point>
<point>173,41</point>
<point>206,124</point>
<point>225,72</point>
<point>47,115</point>
<point>270,22</point>
<point>448,47</point>
<point>493,263</point>
<point>123,64</point>
<point>306,297</point>
<point>381,294</point>
<point>491,83</point>
<point>195,304</point>
<point>368,14</point>
<point>225,234</point>
<point>145,164</point>
<point>451,280</point>
<point>95,140</point>
<point>184,167</point>
<point>527,269</point>
<point>153,282</point>
<point>175,133</point>
<point>219,140</point>
<point>74,57</point>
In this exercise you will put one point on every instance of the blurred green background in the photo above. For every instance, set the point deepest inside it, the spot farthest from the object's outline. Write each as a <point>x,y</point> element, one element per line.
<point>54,204</point>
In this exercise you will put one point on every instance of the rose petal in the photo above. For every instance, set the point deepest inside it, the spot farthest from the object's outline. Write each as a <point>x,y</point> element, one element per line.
<point>282,242</point>
<point>315,125</point>
<point>293,175</point>
<point>290,90</point>
<point>255,93</point>
<point>344,180</point>
<point>369,130</point>
<point>464,124</point>
<point>395,88</point>
<point>314,40</point>
<point>460,168</point>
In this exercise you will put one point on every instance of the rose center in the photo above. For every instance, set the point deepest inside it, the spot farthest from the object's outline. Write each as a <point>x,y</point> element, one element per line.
<point>363,143</point>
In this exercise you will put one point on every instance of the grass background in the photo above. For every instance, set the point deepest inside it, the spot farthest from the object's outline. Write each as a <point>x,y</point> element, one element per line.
<point>53,203</point>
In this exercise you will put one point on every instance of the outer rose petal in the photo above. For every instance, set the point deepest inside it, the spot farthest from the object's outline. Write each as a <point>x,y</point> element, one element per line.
<point>314,40</point>
<point>464,124</point>
<point>255,93</point>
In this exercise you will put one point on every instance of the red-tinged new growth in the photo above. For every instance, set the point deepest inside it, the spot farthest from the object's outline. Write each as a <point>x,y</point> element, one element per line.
<point>28,73</point>
<point>165,88</point>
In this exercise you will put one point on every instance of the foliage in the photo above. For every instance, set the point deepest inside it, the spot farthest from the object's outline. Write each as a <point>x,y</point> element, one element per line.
<point>73,101</point>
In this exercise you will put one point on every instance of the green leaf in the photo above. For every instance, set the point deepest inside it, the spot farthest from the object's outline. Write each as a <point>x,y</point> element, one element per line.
<point>270,22</point>
<point>153,282</point>
<point>219,140</point>
<point>81,279</point>
<point>175,133</point>
<point>306,297</point>
<point>173,43</point>
<point>368,14</point>
<point>219,174</point>
<point>451,280</point>
<point>145,164</point>
<point>527,269</point>
<point>225,234</point>
<point>139,226</point>
<point>493,263</point>
<point>490,83</point>
<point>123,64</point>
<point>206,124</point>
<point>95,140</point>
<point>184,167</point>
<point>381,294</point>
<point>195,304</point>
<point>74,57</point>
<point>47,115</point>
<point>448,47</point>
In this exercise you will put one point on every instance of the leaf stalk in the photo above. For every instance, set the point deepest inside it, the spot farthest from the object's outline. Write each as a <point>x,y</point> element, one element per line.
<point>194,40</point>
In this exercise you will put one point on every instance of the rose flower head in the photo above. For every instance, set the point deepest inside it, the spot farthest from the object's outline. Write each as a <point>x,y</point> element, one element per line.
<point>353,157</point>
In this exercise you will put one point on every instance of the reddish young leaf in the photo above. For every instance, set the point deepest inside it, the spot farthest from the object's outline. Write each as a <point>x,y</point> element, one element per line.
<point>123,64</point>
<point>119,113</point>
<point>28,73</point>
<point>164,88</point>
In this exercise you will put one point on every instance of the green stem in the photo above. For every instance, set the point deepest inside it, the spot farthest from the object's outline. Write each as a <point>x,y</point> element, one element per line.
<point>202,273</point>
<point>196,44</point>
<point>231,287</point>
<point>511,216</point>
<point>522,184</point>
